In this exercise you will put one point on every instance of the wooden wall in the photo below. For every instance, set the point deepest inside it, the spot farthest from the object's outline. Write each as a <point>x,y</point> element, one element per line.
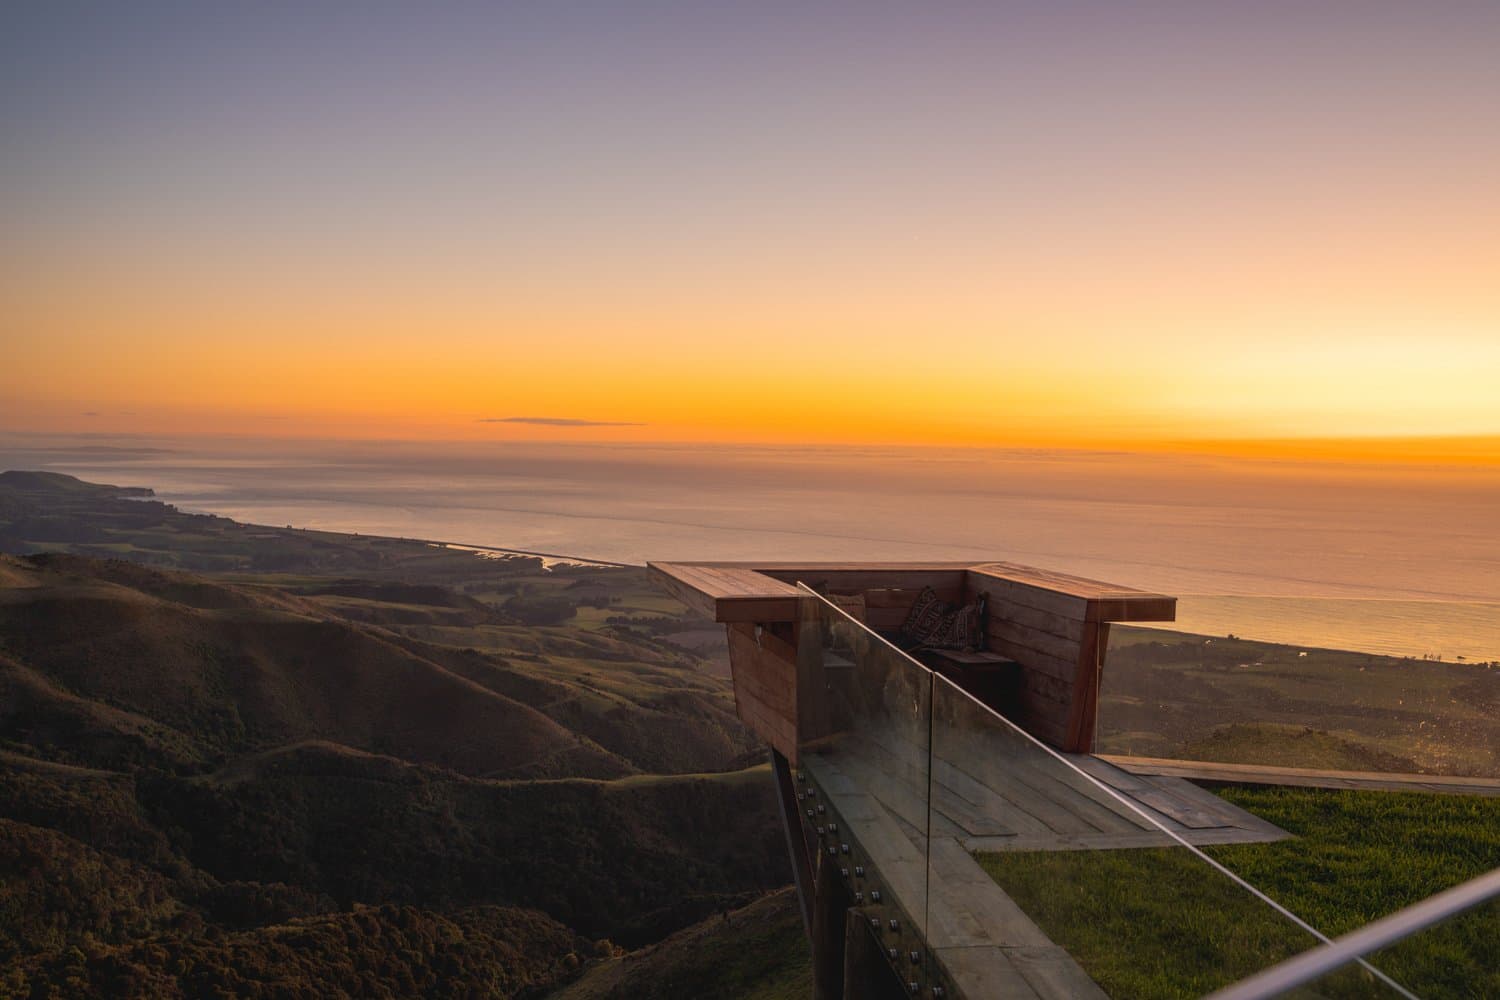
<point>889,593</point>
<point>1061,655</point>
<point>1060,652</point>
<point>1049,632</point>
<point>765,685</point>
<point>1054,625</point>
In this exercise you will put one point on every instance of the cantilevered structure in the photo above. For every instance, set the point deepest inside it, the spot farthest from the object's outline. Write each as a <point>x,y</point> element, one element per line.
<point>895,769</point>
<point>1047,631</point>
<point>932,732</point>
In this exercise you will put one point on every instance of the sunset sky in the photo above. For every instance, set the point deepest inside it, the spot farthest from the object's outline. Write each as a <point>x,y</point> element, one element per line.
<point>950,224</point>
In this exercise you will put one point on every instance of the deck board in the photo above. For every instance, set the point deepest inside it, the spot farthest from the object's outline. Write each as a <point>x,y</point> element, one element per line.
<point>1166,800</point>
<point>987,972</point>
<point>1051,971</point>
<point>1000,803</point>
<point>1264,774</point>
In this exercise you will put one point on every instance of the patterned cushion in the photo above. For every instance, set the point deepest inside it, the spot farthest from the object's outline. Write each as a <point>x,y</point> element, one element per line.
<point>924,619</point>
<point>936,624</point>
<point>961,629</point>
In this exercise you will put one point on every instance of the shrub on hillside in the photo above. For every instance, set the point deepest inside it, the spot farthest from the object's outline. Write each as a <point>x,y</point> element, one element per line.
<point>540,610</point>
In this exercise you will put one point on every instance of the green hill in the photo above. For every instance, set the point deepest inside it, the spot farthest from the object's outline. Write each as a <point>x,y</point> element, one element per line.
<point>50,484</point>
<point>318,784</point>
<point>105,654</point>
<point>1174,694</point>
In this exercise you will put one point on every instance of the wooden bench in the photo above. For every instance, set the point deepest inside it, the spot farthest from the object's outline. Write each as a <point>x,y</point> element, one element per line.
<point>997,681</point>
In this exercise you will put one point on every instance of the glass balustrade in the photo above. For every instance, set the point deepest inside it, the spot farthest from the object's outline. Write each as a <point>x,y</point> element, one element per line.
<point>976,851</point>
<point>864,750</point>
<point>1095,877</point>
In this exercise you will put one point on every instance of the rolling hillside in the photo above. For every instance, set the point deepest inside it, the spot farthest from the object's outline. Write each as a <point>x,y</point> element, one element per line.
<point>447,775</point>
<point>191,671</point>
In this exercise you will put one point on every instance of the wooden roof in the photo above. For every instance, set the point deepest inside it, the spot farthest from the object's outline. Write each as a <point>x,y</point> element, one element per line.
<point>762,591</point>
<point>728,592</point>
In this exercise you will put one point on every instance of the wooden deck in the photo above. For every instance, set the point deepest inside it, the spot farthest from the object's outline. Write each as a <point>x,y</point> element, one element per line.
<point>874,746</point>
<point>1264,774</point>
<point>1005,803</point>
<point>879,787</point>
<point>985,943</point>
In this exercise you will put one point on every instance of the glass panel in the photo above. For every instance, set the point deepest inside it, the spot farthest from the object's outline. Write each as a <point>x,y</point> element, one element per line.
<point>1086,895</point>
<point>982,857</point>
<point>864,739</point>
<point>1353,685</point>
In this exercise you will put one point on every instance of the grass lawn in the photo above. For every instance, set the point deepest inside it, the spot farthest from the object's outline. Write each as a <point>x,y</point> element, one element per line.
<point>1159,923</point>
<point>1194,697</point>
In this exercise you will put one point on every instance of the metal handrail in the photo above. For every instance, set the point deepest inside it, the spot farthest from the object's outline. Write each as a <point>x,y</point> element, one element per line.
<point>1377,934</point>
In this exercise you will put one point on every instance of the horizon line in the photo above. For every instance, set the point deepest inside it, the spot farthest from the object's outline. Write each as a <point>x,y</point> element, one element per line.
<point>1442,449</point>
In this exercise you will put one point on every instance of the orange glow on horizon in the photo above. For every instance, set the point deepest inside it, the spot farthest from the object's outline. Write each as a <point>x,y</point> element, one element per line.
<point>1266,232</point>
<point>131,359</point>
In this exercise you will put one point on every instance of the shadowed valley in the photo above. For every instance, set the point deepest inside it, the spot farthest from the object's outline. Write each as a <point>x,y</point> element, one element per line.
<point>390,768</point>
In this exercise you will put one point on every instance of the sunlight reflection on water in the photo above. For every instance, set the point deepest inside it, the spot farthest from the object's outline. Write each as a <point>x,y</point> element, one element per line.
<point>1401,560</point>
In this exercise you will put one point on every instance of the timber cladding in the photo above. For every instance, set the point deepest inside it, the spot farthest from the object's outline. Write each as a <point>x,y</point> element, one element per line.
<point>1055,625</point>
<point>764,669</point>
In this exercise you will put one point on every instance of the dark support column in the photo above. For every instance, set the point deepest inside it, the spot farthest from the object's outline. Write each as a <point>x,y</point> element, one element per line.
<point>828,932</point>
<point>867,973</point>
<point>796,843</point>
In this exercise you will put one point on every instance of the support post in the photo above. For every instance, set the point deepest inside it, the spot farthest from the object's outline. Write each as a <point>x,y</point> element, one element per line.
<point>867,974</point>
<point>796,842</point>
<point>829,919</point>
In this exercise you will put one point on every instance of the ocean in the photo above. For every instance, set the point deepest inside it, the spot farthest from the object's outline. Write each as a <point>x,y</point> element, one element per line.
<point>1402,560</point>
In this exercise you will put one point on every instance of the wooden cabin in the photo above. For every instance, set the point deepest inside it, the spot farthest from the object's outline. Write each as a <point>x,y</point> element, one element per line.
<point>1039,664</point>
